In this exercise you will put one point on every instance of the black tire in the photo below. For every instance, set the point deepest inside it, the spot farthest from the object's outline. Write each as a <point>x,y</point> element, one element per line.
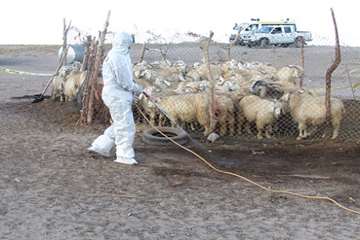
<point>264,43</point>
<point>299,42</point>
<point>153,137</point>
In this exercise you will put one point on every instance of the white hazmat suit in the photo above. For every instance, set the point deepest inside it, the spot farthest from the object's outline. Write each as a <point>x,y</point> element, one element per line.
<point>117,94</point>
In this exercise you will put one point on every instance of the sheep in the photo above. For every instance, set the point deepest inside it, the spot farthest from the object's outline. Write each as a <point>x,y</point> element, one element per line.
<point>72,84</point>
<point>148,107</point>
<point>67,83</point>
<point>58,88</point>
<point>187,108</point>
<point>263,112</point>
<point>191,87</point>
<point>290,73</point>
<point>307,109</point>
<point>202,70</point>
<point>225,112</point>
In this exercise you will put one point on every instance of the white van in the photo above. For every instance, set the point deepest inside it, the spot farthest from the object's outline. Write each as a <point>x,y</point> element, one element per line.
<point>244,31</point>
<point>279,35</point>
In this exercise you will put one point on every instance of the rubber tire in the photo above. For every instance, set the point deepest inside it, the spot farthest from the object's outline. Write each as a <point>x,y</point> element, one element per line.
<point>181,136</point>
<point>264,43</point>
<point>299,42</point>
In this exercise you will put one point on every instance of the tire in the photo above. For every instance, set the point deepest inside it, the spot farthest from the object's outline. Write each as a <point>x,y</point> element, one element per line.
<point>264,43</point>
<point>176,134</point>
<point>299,42</point>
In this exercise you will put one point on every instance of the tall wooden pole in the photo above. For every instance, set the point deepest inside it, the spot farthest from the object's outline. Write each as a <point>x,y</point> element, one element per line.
<point>332,68</point>
<point>302,62</point>
<point>205,48</point>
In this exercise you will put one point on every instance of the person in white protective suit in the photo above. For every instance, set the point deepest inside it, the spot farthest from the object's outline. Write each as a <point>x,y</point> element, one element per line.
<point>117,94</point>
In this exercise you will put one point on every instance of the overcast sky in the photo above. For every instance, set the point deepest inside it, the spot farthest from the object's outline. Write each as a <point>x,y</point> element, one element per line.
<point>40,21</point>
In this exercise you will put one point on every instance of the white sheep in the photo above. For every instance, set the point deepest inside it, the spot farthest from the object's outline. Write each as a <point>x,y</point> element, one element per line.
<point>289,74</point>
<point>187,108</point>
<point>72,84</point>
<point>307,109</point>
<point>263,112</point>
<point>58,87</point>
<point>225,112</point>
<point>191,87</point>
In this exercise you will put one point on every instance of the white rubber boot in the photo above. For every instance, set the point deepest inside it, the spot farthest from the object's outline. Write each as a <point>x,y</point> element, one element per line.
<point>130,161</point>
<point>102,145</point>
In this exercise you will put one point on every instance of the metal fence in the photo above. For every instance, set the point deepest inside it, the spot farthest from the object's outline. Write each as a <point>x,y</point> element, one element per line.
<point>257,94</point>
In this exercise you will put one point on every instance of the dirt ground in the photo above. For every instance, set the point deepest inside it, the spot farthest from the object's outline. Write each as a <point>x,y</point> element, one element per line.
<point>52,188</point>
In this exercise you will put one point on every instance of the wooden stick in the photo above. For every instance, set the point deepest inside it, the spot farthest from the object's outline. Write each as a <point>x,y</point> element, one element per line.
<point>302,61</point>
<point>63,57</point>
<point>95,73</point>
<point>205,48</point>
<point>86,86</point>
<point>65,33</point>
<point>142,54</point>
<point>332,68</point>
<point>85,61</point>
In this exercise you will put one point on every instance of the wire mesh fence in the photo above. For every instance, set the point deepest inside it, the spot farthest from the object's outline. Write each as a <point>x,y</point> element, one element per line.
<point>245,97</point>
<point>252,100</point>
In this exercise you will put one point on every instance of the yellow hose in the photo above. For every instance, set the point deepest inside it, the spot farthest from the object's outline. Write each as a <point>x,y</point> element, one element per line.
<point>267,189</point>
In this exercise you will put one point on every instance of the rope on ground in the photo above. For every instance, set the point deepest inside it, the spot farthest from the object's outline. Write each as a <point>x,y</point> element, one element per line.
<point>267,189</point>
<point>13,71</point>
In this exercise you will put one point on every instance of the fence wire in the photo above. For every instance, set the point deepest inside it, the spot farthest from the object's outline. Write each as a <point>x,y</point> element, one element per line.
<point>253,100</point>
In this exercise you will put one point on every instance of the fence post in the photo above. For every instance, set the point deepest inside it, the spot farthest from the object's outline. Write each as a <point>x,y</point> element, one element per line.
<point>142,54</point>
<point>85,61</point>
<point>204,45</point>
<point>95,73</point>
<point>302,61</point>
<point>331,69</point>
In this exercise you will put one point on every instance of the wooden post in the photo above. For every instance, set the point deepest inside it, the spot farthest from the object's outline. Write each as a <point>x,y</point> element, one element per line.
<point>95,73</point>
<point>331,69</point>
<point>228,52</point>
<point>204,45</point>
<point>85,87</point>
<point>231,45</point>
<point>65,46</point>
<point>142,54</point>
<point>302,62</point>
<point>85,61</point>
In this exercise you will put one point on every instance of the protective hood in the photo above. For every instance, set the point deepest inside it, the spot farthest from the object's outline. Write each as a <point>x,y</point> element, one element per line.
<point>122,42</point>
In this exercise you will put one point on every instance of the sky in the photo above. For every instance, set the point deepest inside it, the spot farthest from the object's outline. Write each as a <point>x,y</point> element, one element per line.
<point>40,21</point>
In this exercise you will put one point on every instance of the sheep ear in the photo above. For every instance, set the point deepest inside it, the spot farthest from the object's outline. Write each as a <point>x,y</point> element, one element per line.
<point>286,97</point>
<point>277,111</point>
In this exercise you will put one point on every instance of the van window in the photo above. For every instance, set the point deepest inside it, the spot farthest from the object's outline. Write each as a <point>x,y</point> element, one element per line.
<point>254,27</point>
<point>276,30</point>
<point>265,29</point>
<point>287,29</point>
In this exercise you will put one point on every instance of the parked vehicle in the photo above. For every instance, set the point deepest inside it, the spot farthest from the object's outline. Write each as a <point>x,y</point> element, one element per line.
<point>265,33</point>
<point>279,35</point>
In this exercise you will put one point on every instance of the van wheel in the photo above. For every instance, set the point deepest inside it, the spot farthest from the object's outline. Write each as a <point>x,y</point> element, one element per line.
<point>264,43</point>
<point>299,42</point>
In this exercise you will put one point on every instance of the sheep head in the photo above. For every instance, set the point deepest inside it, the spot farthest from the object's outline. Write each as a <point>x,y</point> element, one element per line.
<point>279,108</point>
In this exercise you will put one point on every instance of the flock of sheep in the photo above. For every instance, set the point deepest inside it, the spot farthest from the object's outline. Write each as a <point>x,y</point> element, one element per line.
<point>246,94</point>
<point>249,98</point>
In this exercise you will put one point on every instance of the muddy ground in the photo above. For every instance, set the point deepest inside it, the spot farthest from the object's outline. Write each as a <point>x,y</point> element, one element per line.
<point>52,188</point>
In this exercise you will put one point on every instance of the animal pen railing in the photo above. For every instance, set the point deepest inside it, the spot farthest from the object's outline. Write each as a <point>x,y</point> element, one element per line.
<point>251,100</point>
<point>209,87</point>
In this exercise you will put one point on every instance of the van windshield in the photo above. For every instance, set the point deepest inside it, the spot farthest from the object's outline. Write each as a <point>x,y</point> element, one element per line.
<point>265,29</point>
